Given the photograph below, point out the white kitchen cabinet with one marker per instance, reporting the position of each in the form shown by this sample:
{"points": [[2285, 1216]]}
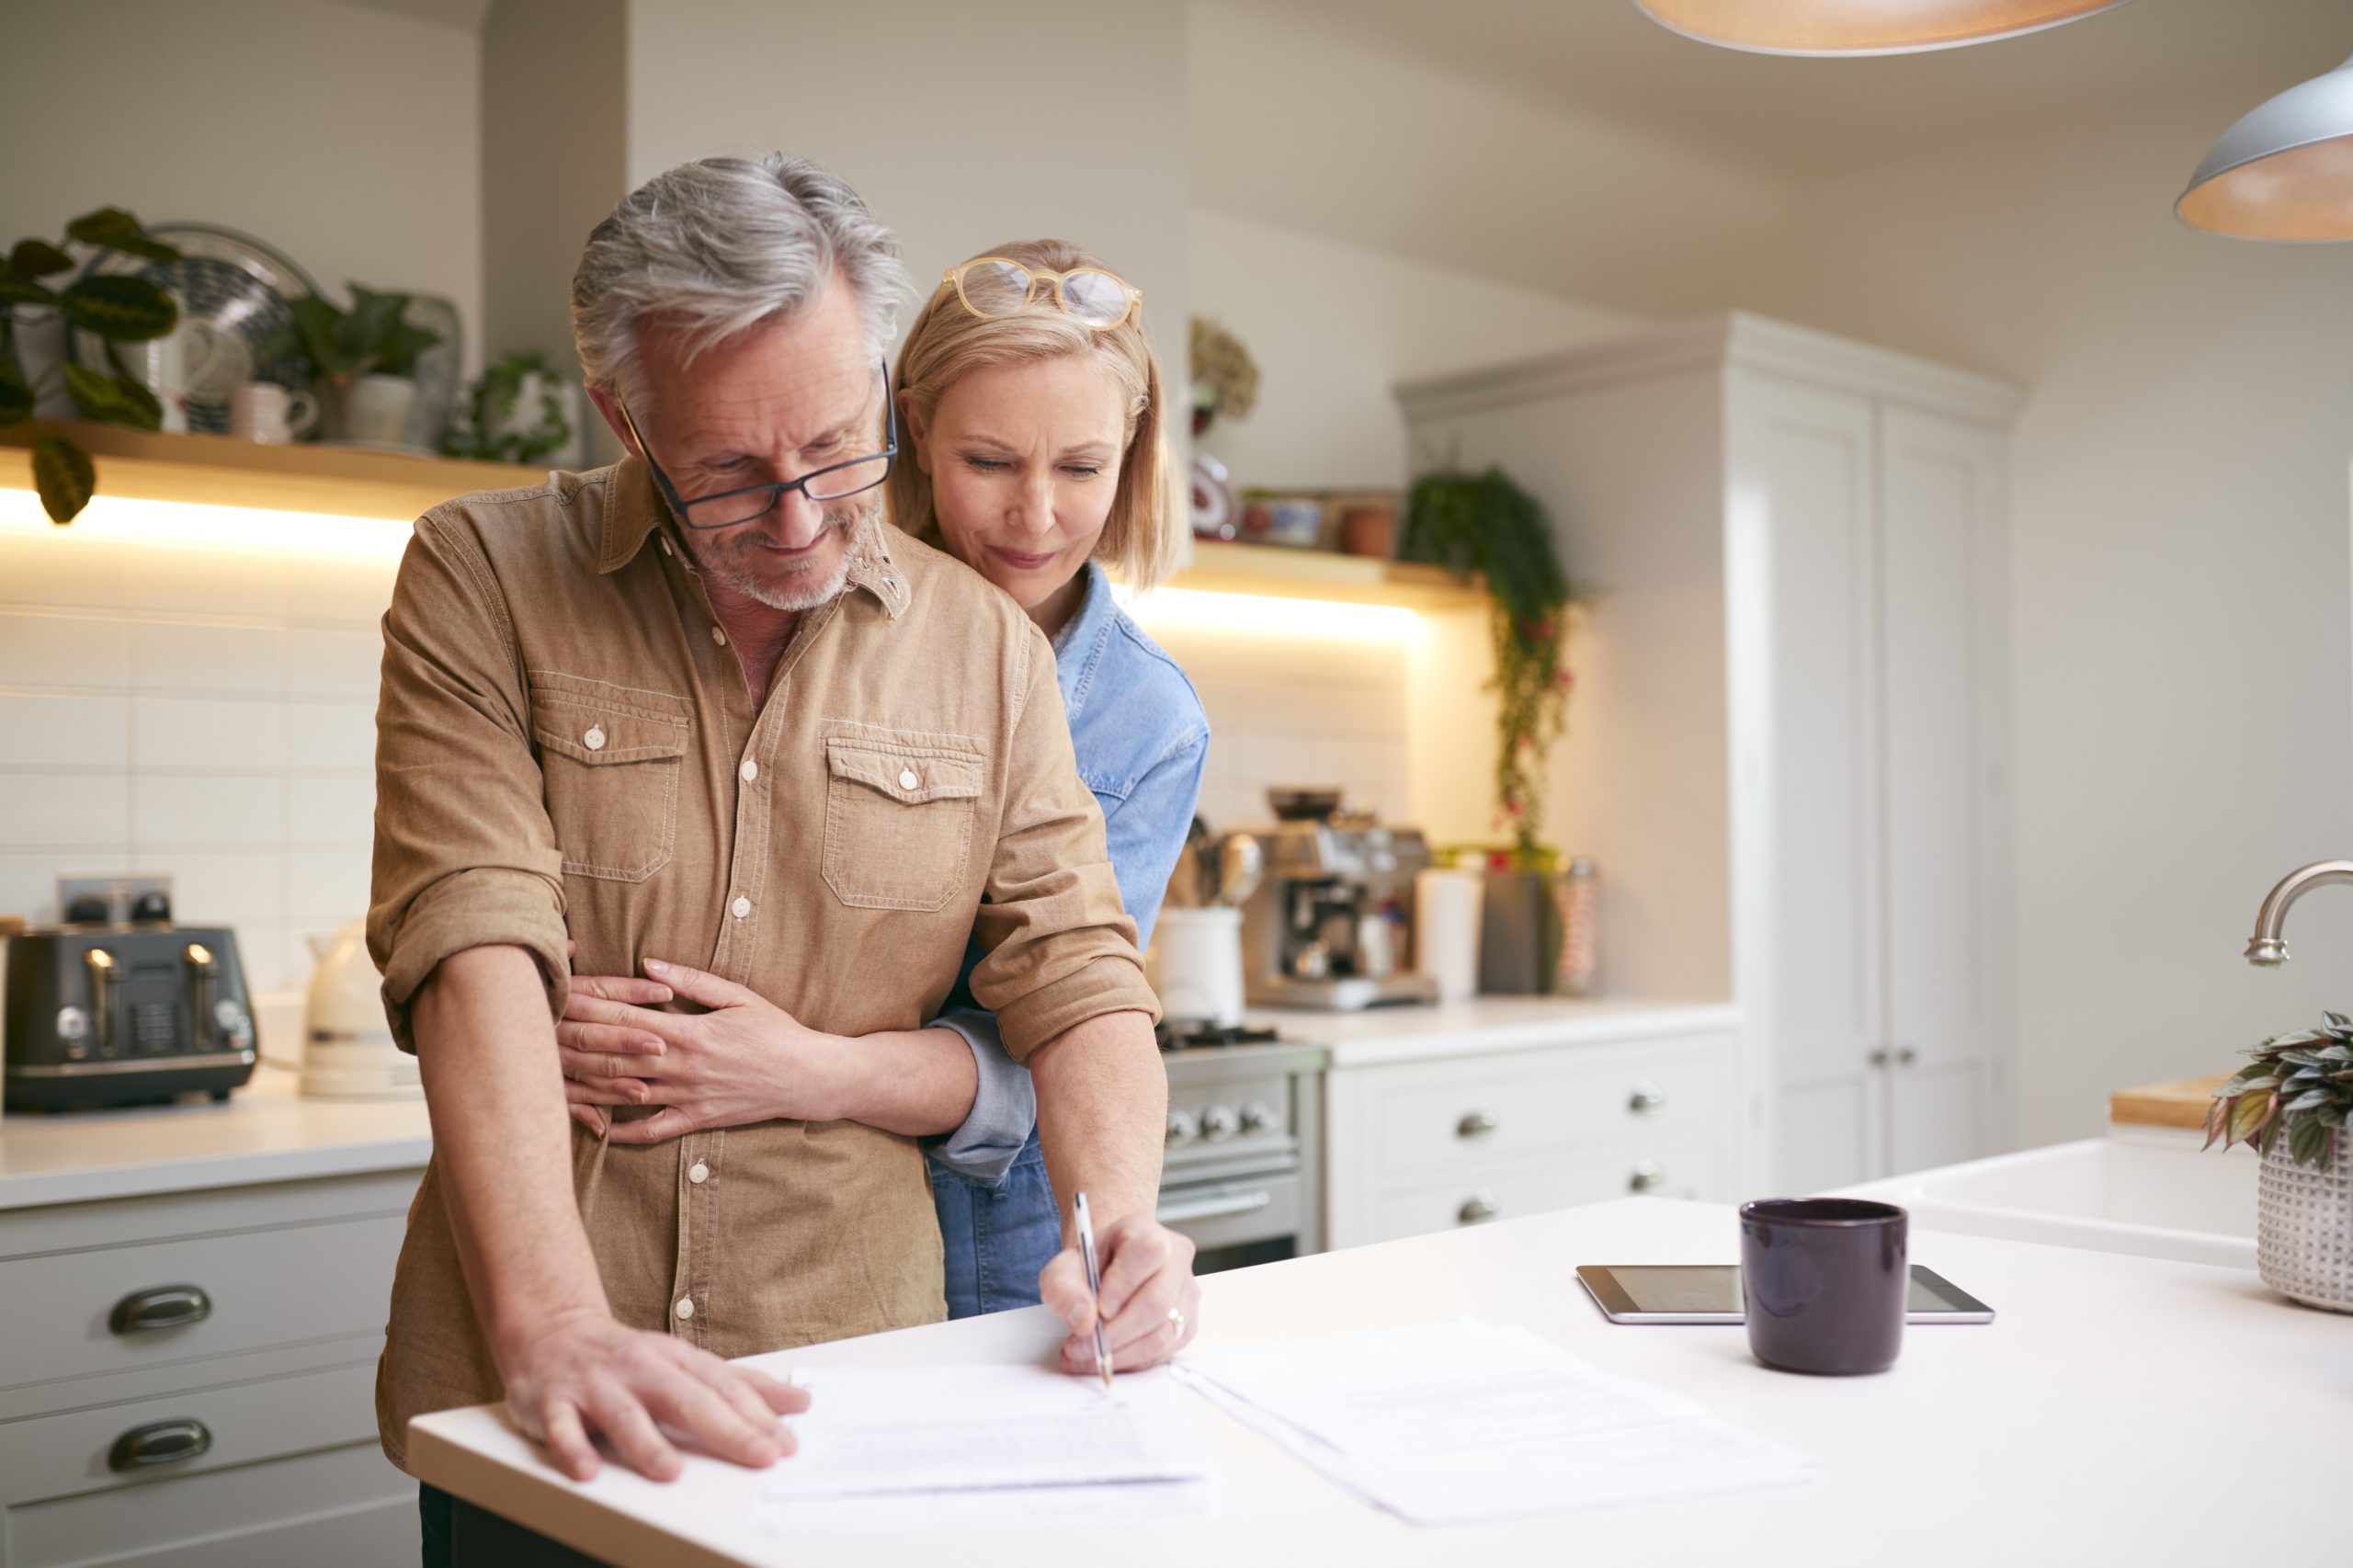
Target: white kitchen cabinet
{"points": [[1466, 1125], [267, 1397], [1788, 748]]}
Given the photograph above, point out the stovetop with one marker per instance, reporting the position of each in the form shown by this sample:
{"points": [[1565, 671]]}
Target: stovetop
{"points": [[1196, 1036]]}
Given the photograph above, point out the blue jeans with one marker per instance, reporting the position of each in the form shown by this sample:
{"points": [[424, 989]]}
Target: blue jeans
{"points": [[997, 1239]]}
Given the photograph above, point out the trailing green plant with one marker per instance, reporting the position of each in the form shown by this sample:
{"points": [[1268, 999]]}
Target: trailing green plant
{"points": [[369, 340], [114, 307], [493, 404], [2299, 1083], [1485, 523]]}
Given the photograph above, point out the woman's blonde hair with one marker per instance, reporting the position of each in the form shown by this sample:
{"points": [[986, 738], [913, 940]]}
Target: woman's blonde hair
{"points": [[1144, 537]]}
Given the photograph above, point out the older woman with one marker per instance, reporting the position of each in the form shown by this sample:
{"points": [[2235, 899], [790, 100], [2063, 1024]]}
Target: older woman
{"points": [[1032, 403]]}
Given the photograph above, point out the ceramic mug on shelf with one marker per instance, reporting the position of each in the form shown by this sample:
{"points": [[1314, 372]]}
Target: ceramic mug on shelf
{"points": [[268, 412]]}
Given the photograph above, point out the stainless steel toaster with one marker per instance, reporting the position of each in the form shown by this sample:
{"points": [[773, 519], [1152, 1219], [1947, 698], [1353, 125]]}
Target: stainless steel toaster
{"points": [[109, 1014]]}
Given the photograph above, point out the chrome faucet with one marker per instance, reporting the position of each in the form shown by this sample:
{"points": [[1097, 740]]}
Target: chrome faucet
{"points": [[2267, 949]]}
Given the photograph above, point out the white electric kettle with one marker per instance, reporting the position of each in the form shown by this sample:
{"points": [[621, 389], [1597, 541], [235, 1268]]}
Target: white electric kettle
{"points": [[347, 1050]]}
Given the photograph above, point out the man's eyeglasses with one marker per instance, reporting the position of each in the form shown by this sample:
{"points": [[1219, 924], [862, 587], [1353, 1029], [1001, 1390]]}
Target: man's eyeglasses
{"points": [[832, 483]]}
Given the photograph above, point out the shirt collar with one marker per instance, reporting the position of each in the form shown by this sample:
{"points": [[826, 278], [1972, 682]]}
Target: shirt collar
{"points": [[634, 511], [1080, 643]]}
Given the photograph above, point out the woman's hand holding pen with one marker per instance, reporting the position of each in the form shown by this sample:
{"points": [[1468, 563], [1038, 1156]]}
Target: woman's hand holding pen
{"points": [[1150, 1302]]}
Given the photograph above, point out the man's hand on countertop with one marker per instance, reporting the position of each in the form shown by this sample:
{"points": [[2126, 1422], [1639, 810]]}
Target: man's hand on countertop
{"points": [[581, 1374]]}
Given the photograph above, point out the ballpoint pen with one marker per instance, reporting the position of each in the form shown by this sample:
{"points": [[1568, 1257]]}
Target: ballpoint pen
{"points": [[1095, 1285]]}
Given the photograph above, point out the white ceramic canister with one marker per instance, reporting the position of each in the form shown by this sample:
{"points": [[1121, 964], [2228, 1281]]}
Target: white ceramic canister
{"points": [[1195, 965]]}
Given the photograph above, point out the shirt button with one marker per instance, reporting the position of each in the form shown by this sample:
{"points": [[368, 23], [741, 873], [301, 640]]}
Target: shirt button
{"points": [[595, 739], [741, 907], [719, 635], [750, 770], [907, 780], [685, 1308], [699, 1174]]}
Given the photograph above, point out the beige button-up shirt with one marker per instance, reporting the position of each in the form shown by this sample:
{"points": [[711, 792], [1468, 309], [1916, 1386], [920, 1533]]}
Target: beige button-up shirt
{"points": [[566, 746]]}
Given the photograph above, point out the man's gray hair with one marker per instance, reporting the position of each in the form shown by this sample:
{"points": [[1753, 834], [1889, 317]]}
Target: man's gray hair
{"points": [[719, 246]]}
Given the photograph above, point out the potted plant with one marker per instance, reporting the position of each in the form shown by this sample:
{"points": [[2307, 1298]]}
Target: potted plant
{"points": [[520, 411], [1483, 522], [34, 315], [1224, 377], [2291, 1102], [364, 358]]}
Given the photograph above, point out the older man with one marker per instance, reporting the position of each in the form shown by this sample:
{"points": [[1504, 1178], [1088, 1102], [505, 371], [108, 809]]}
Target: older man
{"points": [[703, 710]]}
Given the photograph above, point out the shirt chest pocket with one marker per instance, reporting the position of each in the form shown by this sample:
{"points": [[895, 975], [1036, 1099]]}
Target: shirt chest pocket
{"points": [[609, 758], [899, 810]]}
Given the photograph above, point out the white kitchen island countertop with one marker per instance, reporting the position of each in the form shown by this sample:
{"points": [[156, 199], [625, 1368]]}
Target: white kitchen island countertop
{"points": [[2102, 1418], [1375, 1036], [266, 1131]]}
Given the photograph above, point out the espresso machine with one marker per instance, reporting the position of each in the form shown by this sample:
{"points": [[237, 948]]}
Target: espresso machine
{"points": [[1332, 923]]}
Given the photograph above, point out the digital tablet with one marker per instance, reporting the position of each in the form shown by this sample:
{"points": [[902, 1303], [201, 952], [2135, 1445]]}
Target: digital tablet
{"points": [[1709, 1292]]}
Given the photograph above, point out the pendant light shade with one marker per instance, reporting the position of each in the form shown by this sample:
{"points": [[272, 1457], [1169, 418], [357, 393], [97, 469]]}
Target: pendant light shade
{"points": [[1861, 27], [2285, 172]]}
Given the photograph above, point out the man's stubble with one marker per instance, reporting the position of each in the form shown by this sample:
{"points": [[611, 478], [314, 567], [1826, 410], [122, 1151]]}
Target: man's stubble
{"points": [[733, 560]]}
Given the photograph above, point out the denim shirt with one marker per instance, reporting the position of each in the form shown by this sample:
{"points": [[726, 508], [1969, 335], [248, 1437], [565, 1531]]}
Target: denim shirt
{"points": [[1141, 740]]}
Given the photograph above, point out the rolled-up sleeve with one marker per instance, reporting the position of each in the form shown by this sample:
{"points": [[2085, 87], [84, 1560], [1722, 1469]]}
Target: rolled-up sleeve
{"points": [[1061, 948], [465, 855], [1004, 1104]]}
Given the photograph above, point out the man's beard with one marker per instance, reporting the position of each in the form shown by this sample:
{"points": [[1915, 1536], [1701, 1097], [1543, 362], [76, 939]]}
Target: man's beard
{"points": [[734, 561]]}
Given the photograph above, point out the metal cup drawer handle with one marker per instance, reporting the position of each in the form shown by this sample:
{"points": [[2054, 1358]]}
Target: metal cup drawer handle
{"points": [[1477, 1207], [160, 1442], [1646, 1099], [1477, 1124], [1646, 1177], [160, 1306]]}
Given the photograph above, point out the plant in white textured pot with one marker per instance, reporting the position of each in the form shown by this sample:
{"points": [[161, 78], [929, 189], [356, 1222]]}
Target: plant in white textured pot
{"points": [[364, 358], [2291, 1102]]}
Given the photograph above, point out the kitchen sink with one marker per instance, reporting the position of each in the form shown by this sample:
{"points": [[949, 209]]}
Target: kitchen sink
{"points": [[2148, 1191]]}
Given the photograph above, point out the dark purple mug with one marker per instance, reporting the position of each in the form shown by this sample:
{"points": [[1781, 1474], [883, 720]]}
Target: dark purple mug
{"points": [[1823, 1283]]}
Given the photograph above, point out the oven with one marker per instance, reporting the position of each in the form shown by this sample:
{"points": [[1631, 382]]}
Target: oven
{"points": [[1241, 1173]]}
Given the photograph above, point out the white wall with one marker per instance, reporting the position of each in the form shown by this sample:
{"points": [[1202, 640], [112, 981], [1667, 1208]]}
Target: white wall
{"points": [[1334, 326], [1315, 129], [346, 137], [963, 127], [2183, 648]]}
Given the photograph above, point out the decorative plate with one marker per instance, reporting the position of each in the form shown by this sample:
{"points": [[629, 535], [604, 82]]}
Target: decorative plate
{"points": [[1212, 494], [233, 292]]}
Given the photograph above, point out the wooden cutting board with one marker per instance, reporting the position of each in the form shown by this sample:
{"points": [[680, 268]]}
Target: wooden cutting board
{"points": [[2181, 1102]]}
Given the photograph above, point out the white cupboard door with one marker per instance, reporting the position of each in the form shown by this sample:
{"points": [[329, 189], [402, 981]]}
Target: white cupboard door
{"points": [[1802, 575], [1940, 511]]}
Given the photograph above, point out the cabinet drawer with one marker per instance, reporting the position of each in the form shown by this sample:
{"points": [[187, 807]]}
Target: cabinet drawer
{"points": [[266, 1288], [1460, 1117], [345, 1506], [1682, 1169], [61, 1455]]}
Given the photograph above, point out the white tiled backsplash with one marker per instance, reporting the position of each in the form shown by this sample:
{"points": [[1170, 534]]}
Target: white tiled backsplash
{"points": [[1287, 710], [210, 712]]}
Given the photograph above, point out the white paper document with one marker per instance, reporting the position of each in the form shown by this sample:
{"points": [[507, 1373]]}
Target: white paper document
{"points": [[950, 1446], [1449, 1422]]}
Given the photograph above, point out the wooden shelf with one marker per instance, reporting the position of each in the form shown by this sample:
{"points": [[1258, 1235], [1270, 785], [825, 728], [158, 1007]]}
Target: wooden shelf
{"points": [[348, 482], [221, 470], [1275, 570]]}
